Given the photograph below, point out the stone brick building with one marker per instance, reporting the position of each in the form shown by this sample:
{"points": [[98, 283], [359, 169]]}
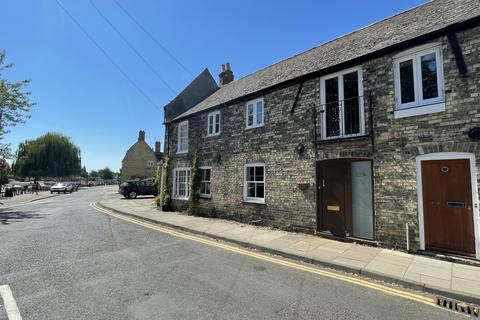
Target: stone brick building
{"points": [[370, 137], [140, 161]]}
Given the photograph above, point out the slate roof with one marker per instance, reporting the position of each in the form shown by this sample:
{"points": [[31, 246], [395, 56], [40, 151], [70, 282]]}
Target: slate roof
{"points": [[199, 89], [408, 25]]}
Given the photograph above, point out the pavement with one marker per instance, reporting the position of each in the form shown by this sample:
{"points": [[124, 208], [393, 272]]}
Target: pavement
{"points": [[446, 278], [26, 197], [62, 259]]}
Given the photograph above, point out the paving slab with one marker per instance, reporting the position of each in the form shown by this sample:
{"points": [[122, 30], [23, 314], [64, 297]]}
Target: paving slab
{"points": [[385, 268], [466, 286], [431, 271], [357, 264], [435, 283]]}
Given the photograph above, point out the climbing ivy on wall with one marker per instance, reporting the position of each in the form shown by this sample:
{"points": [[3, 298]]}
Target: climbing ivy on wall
{"points": [[194, 198], [163, 198]]}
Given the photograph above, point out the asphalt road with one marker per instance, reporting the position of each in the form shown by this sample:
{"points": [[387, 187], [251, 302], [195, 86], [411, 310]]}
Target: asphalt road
{"points": [[64, 260]]}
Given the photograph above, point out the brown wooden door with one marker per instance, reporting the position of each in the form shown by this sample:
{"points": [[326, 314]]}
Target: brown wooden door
{"points": [[334, 197], [447, 206]]}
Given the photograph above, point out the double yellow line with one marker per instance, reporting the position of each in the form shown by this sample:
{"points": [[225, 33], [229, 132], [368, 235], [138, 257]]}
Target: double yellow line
{"points": [[297, 266]]}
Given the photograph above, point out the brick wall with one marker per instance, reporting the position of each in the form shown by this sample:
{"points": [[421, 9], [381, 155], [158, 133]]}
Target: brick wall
{"points": [[397, 142]]}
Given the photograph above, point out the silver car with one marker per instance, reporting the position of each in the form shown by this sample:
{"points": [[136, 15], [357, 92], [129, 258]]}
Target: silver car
{"points": [[61, 187]]}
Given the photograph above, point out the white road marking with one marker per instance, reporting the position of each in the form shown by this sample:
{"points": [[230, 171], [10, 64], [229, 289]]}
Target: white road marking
{"points": [[9, 302]]}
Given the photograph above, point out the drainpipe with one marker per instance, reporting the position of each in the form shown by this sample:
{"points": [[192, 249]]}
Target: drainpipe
{"points": [[407, 231]]}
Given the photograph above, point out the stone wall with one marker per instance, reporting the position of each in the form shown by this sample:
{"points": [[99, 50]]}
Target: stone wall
{"points": [[134, 164], [394, 147]]}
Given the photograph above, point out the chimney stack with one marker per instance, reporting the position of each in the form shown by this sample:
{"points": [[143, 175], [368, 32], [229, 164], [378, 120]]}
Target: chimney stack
{"points": [[141, 135], [226, 76], [157, 146]]}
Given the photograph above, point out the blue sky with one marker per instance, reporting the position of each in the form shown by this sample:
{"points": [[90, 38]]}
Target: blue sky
{"points": [[81, 94]]}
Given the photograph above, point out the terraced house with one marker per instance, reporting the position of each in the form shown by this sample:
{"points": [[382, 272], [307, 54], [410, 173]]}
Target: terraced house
{"points": [[369, 137]]}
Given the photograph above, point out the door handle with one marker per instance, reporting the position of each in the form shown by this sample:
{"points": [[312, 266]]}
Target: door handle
{"points": [[323, 183]]}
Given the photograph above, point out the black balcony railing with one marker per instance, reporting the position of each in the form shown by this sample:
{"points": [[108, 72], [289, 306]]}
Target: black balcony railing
{"points": [[340, 119]]}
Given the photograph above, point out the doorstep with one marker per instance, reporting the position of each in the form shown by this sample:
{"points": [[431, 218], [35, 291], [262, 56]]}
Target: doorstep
{"points": [[419, 272]]}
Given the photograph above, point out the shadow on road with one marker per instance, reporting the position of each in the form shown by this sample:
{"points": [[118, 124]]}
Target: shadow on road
{"points": [[8, 216], [139, 198]]}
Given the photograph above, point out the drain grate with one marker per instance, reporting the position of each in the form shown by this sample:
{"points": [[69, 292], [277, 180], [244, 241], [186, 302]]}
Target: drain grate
{"points": [[458, 306]]}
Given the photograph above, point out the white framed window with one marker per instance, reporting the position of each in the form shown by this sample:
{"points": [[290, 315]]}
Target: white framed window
{"points": [[342, 104], [254, 183], [419, 81], [182, 137], [150, 163], [254, 113], [181, 183], [213, 123], [205, 182]]}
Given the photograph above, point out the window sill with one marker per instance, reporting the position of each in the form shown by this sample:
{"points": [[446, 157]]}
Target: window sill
{"points": [[261, 202], [182, 152], [345, 139], [206, 196], [177, 198], [419, 110], [256, 126], [213, 135]]}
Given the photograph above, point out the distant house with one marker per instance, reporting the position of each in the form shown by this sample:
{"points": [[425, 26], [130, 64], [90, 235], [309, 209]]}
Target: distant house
{"points": [[140, 161], [373, 136]]}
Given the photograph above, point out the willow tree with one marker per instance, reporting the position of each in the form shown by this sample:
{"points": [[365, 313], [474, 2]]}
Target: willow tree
{"points": [[51, 155]]}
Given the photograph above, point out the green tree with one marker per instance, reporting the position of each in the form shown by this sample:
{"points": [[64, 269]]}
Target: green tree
{"points": [[51, 155], [15, 105], [105, 173], [4, 171], [93, 174], [84, 173]]}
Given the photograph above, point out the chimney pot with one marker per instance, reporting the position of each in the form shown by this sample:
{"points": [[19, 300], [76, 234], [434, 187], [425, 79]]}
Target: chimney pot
{"points": [[141, 135], [157, 146], [226, 76]]}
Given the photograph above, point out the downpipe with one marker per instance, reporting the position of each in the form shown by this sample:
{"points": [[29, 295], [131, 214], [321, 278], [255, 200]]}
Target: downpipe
{"points": [[407, 236]]}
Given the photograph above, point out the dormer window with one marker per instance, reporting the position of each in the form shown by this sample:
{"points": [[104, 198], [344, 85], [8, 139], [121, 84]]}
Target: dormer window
{"points": [[254, 113], [213, 123], [419, 81]]}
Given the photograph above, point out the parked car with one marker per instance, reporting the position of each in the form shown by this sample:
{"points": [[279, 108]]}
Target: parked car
{"points": [[61, 187], [74, 186], [132, 189]]}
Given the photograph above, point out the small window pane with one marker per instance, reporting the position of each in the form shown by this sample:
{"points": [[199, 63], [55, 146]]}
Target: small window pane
{"points": [[250, 115], [250, 173], [251, 190], [429, 76], [351, 104], [259, 112], [407, 89], [210, 124], [207, 187], [260, 187], [217, 123], [332, 111], [258, 173], [207, 174]]}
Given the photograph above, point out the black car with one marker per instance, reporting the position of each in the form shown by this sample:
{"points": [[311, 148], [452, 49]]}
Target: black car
{"points": [[132, 189]]}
